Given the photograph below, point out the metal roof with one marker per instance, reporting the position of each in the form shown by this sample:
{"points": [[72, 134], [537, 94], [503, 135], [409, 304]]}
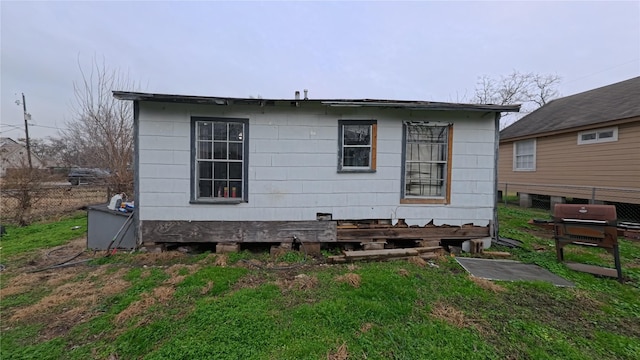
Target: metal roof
{"points": [[608, 103], [401, 104]]}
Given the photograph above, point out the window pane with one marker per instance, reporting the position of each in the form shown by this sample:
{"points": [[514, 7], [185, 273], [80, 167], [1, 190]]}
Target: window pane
{"points": [[235, 189], [235, 170], [205, 170], [204, 150], [204, 131], [235, 132], [220, 170], [219, 186], [235, 151], [205, 187], [356, 156], [357, 134], [426, 154], [605, 134], [220, 131], [220, 150], [589, 136]]}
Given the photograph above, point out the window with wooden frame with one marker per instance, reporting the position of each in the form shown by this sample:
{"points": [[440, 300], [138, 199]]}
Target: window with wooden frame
{"points": [[524, 155], [426, 165], [219, 160], [357, 145]]}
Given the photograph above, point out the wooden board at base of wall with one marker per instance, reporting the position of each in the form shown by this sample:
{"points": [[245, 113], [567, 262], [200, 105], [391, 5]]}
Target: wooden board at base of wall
{"points": [[158, 231]]}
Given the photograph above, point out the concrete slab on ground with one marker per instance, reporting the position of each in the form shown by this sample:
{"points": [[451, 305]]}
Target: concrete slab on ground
{"points": [[509, 270]]}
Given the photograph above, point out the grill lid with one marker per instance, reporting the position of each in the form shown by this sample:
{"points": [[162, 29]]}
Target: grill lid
{"points": [[595, 213]]}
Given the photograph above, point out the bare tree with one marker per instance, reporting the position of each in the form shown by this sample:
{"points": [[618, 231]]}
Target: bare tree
{"points": [[22, 189], [529, 89], [101, 132]]}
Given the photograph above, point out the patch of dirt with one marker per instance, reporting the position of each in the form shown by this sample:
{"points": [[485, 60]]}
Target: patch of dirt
{"points": [[157, 258], [249, 281], [299, 282], [416, 260], [175, 270], [221, 260], [487, 284], [349, 278], [364, 328], [403, 272], [340, 353], [206, 288]]}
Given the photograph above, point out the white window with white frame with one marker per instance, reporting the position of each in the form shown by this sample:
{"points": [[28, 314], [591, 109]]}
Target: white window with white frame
{"points": [[598, 136], [524, 155]]}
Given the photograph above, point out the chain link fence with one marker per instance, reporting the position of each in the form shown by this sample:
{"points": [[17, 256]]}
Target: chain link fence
{"points": [[544, 196], [49, 201]]}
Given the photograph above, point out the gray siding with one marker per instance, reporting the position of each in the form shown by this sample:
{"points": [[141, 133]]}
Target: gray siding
{"points": [[293, 166]]}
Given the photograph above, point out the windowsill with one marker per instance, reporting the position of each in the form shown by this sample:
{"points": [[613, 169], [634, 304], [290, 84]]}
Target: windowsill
{"points": [[529, 170], [369, 171], [439, 201], [217, 202]]}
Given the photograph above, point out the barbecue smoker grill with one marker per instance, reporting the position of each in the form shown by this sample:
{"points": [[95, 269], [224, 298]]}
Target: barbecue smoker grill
{"points": [[587, 225]]}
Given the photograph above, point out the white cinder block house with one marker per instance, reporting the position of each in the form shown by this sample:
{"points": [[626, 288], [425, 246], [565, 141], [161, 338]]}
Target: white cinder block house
{"points": [[213, 169]]}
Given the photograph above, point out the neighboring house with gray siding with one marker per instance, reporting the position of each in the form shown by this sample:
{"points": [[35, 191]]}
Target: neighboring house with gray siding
{"points": [[13, 155], [270, 166], [584, 146]]}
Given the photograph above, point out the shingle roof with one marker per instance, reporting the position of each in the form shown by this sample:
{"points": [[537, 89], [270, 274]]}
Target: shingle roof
{"points": [[612, 102]]}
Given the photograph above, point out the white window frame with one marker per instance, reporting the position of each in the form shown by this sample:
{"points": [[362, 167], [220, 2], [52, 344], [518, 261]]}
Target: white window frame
{"points": [[597, 136], [220, 193], [516, 155]]}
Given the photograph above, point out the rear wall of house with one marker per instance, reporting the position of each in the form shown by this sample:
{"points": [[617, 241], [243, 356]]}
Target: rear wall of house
{"points": [[293, 166], [561, 161]]}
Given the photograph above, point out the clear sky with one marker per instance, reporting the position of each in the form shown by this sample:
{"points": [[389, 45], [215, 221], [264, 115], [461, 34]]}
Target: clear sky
{"points": [[419, 50]]}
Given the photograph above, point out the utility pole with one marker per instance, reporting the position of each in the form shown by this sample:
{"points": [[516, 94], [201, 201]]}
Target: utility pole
{"points": [[26, 130]]}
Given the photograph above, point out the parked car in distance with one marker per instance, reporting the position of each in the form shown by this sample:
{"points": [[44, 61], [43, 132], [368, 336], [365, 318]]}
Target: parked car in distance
{"points": [[79, 176]]}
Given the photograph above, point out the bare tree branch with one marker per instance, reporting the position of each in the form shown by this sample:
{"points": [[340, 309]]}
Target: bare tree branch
{"points": [[101, 132], [529, 89]]}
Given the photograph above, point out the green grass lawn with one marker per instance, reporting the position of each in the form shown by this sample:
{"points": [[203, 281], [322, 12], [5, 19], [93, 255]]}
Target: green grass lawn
{"points": [[208, 306]]}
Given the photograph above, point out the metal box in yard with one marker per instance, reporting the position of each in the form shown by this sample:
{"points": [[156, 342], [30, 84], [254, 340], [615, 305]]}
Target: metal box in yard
{"points": [[103, 225]]}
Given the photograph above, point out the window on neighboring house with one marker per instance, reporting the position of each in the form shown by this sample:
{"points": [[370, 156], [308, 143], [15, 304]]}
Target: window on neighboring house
{"points": [[598, 136], [427, 163], [524, 155], [219, 153], [357, 145]]}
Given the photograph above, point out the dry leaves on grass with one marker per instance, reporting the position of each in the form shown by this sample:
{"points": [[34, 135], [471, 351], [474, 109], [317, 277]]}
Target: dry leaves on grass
{"points": [[349, 278], [364, 328], [82, 294], [487, 284], [299, 282], [340, 353], [221, 260], [416, 260], [160, 294], [403, 272], [449, 314], [205, 289]]}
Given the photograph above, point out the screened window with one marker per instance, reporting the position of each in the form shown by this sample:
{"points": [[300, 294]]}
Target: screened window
{"points": [[357, 145], [427, 165], [524, 155], [220, 160]]}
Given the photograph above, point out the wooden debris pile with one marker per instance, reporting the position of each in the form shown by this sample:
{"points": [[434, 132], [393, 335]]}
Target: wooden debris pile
{"points": [[380, 239]]}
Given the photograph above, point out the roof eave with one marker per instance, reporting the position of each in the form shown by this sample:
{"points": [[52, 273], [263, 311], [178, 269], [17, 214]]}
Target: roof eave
{"points": [[409, 105]]}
